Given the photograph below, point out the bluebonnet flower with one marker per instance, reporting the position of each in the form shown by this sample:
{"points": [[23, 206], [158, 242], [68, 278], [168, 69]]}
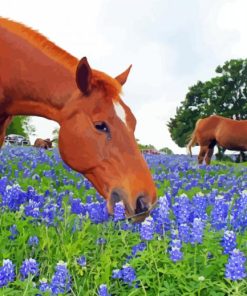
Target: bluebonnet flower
{"points": [[99, 198], [176, 243], [175, 251], [147, 229], [184, 232], [235, 268], [219, 213], [36, 177], [7, 273], [182, 209], [77, 207], [13, 197], [89, 199], [100, 241], [199, 203], [49, 214], [103, 291], [119, 211], [82, 261], [239, 212], [117, 274], [138, 248], [161, 215], [14, 232], [87, 184], [197, 231], [33, 241], [128, 274], [3, 184], [79, 184], [126, 226], [61, 282], [32, 209], [97, 212], [29, 267], [174, 233], [229, 241], [44, 286]]}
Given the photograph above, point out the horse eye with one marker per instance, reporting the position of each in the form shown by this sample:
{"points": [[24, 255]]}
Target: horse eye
{"points": [[102, 127]]}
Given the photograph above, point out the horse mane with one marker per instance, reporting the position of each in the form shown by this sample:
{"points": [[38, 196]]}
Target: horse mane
{"points": [[100, 79]]}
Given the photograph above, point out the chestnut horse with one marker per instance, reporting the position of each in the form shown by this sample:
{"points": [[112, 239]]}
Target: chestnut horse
{"points": [[45, 144], [227, 133], [96, 134]]}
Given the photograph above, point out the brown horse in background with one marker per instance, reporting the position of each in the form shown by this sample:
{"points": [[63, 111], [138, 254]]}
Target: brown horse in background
{"points": [[96, 134], [227, 133], [45, 144]]}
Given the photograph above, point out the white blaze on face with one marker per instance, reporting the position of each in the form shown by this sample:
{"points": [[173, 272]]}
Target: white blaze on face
{"points": [[120, 112]]}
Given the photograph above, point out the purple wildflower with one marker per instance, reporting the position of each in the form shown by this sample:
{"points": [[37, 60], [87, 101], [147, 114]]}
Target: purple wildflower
{"points": [[229, 241], [82, 261], [147, 229], [101, 241], [14, 232], [7, 273], [97, 212], [219, 213], [117, 274], [44, 286], [175, 250], [103, 291], [49, 214], [33, 241], [61, 282], [128, 274], [119, 212], [29, 267], [77, 207], [197, 231], [182, 209], [235, 268], [32, 209], [138, 248], [184, 232]]}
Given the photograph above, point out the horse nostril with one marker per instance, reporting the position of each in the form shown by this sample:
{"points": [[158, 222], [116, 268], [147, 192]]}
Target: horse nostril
{"points": [[115, 197], [141, 205]]}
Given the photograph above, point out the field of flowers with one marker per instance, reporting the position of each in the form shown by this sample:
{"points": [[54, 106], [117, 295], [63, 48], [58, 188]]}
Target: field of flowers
{"points": [[56, 237]]}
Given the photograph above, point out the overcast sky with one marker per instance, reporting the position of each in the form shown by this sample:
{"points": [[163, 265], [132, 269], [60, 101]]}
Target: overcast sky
{"points": [[171, 43]]}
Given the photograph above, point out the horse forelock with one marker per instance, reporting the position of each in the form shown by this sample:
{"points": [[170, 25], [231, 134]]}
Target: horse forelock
{"points": [[111, 87]]}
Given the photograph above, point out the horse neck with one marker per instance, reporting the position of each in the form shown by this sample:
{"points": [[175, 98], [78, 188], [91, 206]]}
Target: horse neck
{"points": [[32, 83]]}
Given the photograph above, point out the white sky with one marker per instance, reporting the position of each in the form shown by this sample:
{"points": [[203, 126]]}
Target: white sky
{"points": [[171, 44]]}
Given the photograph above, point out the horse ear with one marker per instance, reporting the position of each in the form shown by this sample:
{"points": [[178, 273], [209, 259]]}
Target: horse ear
{"points": [[83, 76], [123, 77]]}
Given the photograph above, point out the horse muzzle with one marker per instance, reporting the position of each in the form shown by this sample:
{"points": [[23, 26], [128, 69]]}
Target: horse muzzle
{"points": [[136, 209]]}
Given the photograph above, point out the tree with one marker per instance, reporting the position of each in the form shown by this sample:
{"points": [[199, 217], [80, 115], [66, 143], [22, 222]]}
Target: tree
{"points": [[144, 146], [225, 94], [166, 150], [55, 133], [20, 125]]}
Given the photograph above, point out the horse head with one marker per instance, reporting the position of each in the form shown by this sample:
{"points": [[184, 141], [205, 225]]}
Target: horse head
{"points": [[96, 138]]}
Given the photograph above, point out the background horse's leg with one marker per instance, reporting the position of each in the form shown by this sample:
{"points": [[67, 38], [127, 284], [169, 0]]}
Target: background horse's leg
{"points": [[209, 155], [4, 122], [202, 153], [210, 152]]}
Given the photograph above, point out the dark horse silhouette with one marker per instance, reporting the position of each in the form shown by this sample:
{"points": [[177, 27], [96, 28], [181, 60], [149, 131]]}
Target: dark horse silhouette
{"points": [[227, 133], [96, 134]]}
